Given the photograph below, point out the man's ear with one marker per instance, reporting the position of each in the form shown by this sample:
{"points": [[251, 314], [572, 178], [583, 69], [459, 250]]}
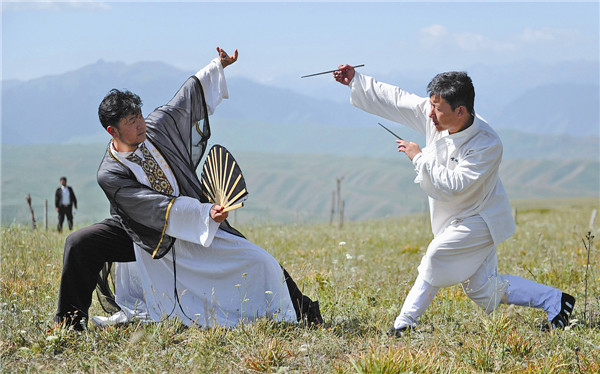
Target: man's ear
{"points": [[461, 110], [112, 130]]}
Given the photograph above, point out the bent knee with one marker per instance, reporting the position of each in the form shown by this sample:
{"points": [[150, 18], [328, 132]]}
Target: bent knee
{"points": [[488, 295], [75, 241]]}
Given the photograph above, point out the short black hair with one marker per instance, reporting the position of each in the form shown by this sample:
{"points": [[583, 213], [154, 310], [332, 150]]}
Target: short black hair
{"points": [[117, 105], [63, 178], [455, 87]]}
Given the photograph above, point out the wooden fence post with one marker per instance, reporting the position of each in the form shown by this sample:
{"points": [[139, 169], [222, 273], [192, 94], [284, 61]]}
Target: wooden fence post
{"points": [[340, 202], [332, 207], [46, 214], [28, 199], [342, 213]]}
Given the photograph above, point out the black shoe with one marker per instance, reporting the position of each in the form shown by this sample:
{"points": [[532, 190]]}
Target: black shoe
{"points": [[310, 313], [313, 315], [74, 323], [567, 303], [397, 333]]}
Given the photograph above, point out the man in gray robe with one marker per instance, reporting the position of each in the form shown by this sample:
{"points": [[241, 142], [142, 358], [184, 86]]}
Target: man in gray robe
{"points": [[178, 132]]}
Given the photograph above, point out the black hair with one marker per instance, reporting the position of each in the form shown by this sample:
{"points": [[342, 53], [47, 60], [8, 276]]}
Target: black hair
{"points": [[117, 105], [65, 178], [455, 87]]}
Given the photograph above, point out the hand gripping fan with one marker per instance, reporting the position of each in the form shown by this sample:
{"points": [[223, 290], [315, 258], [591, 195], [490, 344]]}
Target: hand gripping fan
{"points": [[222, 180]]}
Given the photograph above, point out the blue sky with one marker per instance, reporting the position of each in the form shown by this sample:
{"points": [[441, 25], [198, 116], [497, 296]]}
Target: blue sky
{"points": [[275, 39]]}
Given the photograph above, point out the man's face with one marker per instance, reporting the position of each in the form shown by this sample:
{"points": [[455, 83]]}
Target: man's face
{"points": [[443, 116], [63, 182], [131, 131]]}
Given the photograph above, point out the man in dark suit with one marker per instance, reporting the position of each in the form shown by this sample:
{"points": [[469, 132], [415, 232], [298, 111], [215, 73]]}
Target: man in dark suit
{"points": [[65, 201]]}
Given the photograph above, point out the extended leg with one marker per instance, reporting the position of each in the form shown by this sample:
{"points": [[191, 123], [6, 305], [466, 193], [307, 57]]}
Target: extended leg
{"points": [[86, 250], [61, 218], [415, 304], [69, 213], [525, 292]]}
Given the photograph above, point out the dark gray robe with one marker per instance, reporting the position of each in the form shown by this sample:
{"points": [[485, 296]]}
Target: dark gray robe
{"points": [[180, 131]]}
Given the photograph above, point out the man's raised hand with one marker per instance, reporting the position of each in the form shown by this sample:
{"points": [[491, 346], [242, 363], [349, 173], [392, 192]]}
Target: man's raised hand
{"points": [[227, 60]]}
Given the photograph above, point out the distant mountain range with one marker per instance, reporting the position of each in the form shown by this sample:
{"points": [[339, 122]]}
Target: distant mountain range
{"points": [[294, 137], [538, 101]]}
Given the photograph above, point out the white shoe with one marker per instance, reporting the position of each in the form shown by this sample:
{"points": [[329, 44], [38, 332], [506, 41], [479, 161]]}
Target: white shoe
{"points": [[118, 317]]}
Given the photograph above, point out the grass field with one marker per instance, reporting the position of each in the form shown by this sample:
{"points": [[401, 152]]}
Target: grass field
{"points": [[360, 274]]}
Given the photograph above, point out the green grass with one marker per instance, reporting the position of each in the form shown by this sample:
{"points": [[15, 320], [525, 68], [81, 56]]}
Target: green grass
{"points": [[360, 285]]}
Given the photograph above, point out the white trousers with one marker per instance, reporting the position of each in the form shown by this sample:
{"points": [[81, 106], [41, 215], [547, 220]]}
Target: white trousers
{"points": [[454, 257]]}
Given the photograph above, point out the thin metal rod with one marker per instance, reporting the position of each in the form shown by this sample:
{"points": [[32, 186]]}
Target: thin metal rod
{"points": [[330, 71], [390, 131]]}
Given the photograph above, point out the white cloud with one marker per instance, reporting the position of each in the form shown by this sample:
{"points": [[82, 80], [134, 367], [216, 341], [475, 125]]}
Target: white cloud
{"points": [[438, 36], [547, 34], [478, 42], [533, 36], [433, 31]]}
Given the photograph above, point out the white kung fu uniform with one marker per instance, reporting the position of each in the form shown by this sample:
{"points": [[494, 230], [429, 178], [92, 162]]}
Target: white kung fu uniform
{"points": [[470, 211], [222, 279]]}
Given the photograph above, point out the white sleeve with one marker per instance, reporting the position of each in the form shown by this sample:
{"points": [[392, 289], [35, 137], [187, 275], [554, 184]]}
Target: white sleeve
{"points": [[472, 172], [389, 102], [214, 85], [189, 220]]}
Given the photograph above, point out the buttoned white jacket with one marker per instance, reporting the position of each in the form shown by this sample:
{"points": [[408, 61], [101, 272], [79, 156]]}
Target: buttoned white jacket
{"points": [[459, 172]]}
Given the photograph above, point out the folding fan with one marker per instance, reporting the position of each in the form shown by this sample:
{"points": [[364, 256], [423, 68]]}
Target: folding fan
{"points": [[222, 180]]}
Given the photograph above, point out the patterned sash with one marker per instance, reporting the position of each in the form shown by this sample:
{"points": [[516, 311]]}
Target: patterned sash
{"points": [[157, 178]]}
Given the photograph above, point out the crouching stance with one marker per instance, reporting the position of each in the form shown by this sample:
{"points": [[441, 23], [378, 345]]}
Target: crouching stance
{"points": [[470, 211], [176, 254]]}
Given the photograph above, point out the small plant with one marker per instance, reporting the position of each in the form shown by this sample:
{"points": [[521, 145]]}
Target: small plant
{"points": [[270, 356], [587, 243], [387, 362]]}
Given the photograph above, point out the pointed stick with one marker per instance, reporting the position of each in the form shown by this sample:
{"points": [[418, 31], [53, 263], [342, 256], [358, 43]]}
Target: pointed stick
{"points": [[330, 71], [390, 131]]}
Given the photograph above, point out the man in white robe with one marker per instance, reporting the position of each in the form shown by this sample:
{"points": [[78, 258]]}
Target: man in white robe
{"points": [[470, 211], [189, 263]]}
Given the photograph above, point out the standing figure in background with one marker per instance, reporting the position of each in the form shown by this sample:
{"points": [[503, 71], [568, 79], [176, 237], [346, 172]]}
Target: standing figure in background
{"points": [[65, 201]]}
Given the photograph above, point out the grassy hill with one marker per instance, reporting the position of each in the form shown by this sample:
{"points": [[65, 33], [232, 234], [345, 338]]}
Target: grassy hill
{"points": [[283, 187], [360, 274]]}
